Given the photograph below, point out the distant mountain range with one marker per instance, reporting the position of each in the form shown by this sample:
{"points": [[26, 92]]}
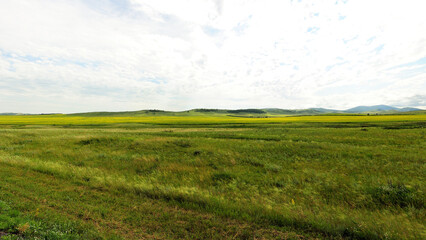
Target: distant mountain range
{"points": [[359, 109], [382, 109], [379, 108], [10, 114]]}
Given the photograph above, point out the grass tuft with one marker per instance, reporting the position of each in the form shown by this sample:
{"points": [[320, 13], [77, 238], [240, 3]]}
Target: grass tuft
{"points": [[396, 195]]}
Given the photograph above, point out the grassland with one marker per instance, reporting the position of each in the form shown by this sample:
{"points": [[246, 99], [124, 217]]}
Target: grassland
{"points": [[212, 177], [61, 119]]}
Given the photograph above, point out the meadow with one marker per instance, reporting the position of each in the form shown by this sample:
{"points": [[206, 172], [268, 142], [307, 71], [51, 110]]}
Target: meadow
{"points": [[212, 177]]}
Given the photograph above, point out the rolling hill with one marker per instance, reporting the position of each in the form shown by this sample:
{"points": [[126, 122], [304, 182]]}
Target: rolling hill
{"points": [[263, 112], [379, 108]]}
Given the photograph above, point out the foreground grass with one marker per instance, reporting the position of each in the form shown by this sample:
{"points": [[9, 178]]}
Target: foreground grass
{"points": [[100, 214], [343, 179], [13, 225]]}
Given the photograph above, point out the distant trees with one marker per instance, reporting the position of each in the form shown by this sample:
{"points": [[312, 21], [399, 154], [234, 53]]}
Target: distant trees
{"points": [[206, 110], [154, 110], [258, 111]]}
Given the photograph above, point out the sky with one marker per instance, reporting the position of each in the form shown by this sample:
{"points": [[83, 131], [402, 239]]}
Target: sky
{"points": [[119, 55]]}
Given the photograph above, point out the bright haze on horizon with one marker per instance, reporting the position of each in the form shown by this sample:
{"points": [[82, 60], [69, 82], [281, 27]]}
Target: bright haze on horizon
{"points": [[112, 55]]}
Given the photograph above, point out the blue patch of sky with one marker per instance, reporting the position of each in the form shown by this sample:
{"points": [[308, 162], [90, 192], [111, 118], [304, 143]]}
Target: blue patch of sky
{"points": [[345, 41], [12, 68], [167, 17], [29, 58], [76, 62], [284, 64], [5, 54], [156, 80], [240, 28], [411, 72], [119, 7], [275, 44], [341, 18], [211, 31], [421, 61], [341, 1], [370, 40], [9, 56], [379, 48], [313, 29], [329, 67]]}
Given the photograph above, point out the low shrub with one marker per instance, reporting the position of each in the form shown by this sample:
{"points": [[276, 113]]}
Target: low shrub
{"points": [[182, 143], [222, 177], [395, 195], [273, 167]]}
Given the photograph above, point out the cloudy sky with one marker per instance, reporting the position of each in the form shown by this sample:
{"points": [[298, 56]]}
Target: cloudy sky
{"points": [[92, 55]]}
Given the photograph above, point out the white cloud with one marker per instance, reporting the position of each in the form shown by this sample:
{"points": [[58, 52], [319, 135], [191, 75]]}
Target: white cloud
{"points": [[68, 56]]}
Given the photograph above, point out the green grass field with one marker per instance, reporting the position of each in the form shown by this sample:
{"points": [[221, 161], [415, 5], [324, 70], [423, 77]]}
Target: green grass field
{"points": [[212, 177]]}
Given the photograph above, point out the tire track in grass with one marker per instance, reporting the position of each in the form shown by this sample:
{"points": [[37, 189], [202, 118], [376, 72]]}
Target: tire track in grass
{"points": [[189, 198], [17, 185]]}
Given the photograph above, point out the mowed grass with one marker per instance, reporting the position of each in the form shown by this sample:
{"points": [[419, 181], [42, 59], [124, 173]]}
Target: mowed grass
{"points": [[354, 177]]}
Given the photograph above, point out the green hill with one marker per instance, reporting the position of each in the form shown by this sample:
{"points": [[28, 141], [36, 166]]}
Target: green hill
{"points": [[264, 112]]}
